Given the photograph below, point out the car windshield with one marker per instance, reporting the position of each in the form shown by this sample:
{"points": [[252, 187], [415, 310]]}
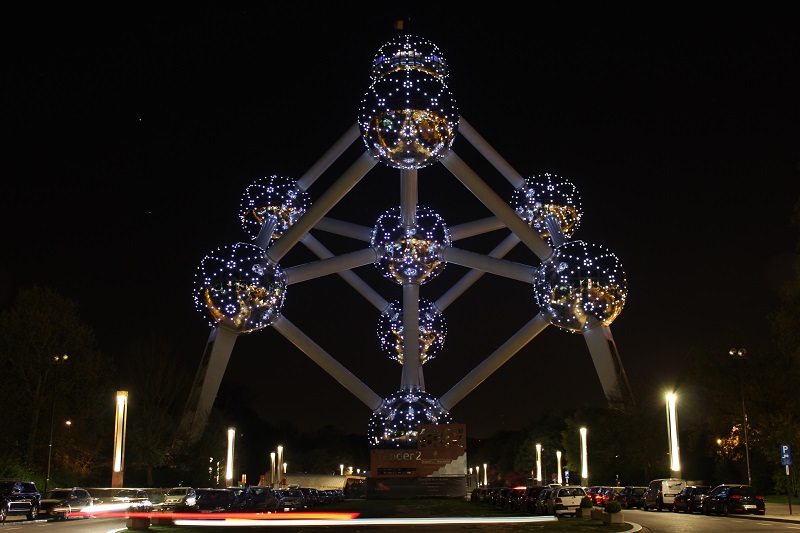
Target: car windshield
{"points": [[744, 491], [57, 495], [178, 492], [126, 494]]}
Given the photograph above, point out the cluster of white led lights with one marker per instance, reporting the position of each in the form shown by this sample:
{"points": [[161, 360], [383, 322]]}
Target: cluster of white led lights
{"points": [[408, 120]]}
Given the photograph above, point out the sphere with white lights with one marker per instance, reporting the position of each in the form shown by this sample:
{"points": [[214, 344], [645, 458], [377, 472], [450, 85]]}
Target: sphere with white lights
{"points": [[581, 285], [409, 52], [548, 196], [395, 423], [432, 331], [408, 118], [239, 288], [271, 196], [410, 254]]}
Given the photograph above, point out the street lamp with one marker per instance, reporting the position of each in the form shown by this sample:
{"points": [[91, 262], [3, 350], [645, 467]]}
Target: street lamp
{"points": [[584, 460], [229, 464], [672, 434], [741, 354], [539, 463], [558, 460], [120, 429], [485, 476], [56, 361]]}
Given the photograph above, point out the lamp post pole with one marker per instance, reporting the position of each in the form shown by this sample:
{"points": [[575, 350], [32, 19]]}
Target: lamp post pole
{"points": [[57, 360], [740, 354]]}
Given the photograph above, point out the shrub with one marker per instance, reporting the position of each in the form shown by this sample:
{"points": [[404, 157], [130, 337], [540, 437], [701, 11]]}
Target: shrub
{"points": [[613, 507], [586, 503]]}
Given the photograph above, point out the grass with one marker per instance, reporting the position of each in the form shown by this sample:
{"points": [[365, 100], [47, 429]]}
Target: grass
{"points": [[419, 508]]}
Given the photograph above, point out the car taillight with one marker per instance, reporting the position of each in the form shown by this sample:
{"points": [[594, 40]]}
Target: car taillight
{"points": [[736, 496], [759, 497]]}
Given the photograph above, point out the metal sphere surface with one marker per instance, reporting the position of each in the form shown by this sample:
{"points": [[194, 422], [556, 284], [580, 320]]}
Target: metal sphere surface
{"points": [[432, 331], [274, 196], [409, 52], [408, 119], [410, 254], [548, 195], [239, 288], [582, 284], [395, 423]]}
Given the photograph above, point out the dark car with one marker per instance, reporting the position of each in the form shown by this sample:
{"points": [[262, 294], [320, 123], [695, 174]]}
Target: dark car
{"points": [[59, 504], [690, 499], [528, 500], [19, 498], [291, 500], [264, 499], [631, 497], [216, 501], [244, 498], [138, 499], [540, 506], [727, 499]]}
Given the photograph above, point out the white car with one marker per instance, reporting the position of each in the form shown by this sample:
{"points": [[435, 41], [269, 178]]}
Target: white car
{"points": [[565, 500], [179, 497]]}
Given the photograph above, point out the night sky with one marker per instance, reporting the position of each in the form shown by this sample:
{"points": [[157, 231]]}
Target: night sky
{"points": [[132, 134]]}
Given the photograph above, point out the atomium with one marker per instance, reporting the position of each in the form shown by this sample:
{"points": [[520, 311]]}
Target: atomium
{"points": [[408, 121]]}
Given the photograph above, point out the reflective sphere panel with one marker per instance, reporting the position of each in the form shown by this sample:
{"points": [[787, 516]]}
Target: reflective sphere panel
{"points": [[409, 52], [271, 196], [410, 254], [581, 282], [432, 331], [239, 288], [395, 423], [545, 196]]}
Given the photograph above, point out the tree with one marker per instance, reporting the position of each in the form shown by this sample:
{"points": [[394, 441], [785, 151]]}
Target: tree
{"points": [[157, 387], [40, 325]]}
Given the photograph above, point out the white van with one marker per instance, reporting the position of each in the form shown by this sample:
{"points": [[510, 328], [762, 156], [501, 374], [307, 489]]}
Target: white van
{"points": [[661, 493]]}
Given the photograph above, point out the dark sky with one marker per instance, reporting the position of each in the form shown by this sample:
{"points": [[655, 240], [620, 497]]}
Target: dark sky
{"points": [[134, 132]]}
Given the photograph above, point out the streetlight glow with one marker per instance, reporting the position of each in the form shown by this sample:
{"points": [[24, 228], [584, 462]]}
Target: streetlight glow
{"points": [[539, 463], [558, 459], [229, 464], [672, 433], [584, 459], [485, 477], [120, 426]]}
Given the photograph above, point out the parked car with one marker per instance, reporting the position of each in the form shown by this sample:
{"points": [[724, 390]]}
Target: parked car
{"points": [[58, 504], [528, 500], [264, 499], [595, 493], [516, 499], [179, 498], [608, 494], [19, 498], [565, 500], [631, 497], [660, 493], [137, 498], [727, 499], [244, 498], [541, 507], [690, 499], [291, 500], [211, 500]]}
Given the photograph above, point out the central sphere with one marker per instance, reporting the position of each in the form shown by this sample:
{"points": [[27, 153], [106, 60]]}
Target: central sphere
{"points": [[395, 423], [410, 254]]}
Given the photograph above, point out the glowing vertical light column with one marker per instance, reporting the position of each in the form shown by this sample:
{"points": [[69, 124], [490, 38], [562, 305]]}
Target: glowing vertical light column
{"points": [[341, 470], [558, 460], [672, 432], [229, 464], [272, 469], [584, 460], [539, 463], [120, 427], [478, 475], [485, 477], [280, 462]]}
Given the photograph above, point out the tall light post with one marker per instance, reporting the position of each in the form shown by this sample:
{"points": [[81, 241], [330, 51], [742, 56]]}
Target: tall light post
{"points": [[539, 463], [120, 429], [57, 361], [584, 459], [478, 475], [558, 460], [741, 354], [485, 476], [672, 434], [229, 464]]}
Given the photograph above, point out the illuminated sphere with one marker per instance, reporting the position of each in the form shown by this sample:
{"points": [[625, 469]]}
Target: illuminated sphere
{"points": [[239, 288], [410, 255], [432, 331], [548, 195], [582, 285], [395, 423], [271, 196], [409, 52]]}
